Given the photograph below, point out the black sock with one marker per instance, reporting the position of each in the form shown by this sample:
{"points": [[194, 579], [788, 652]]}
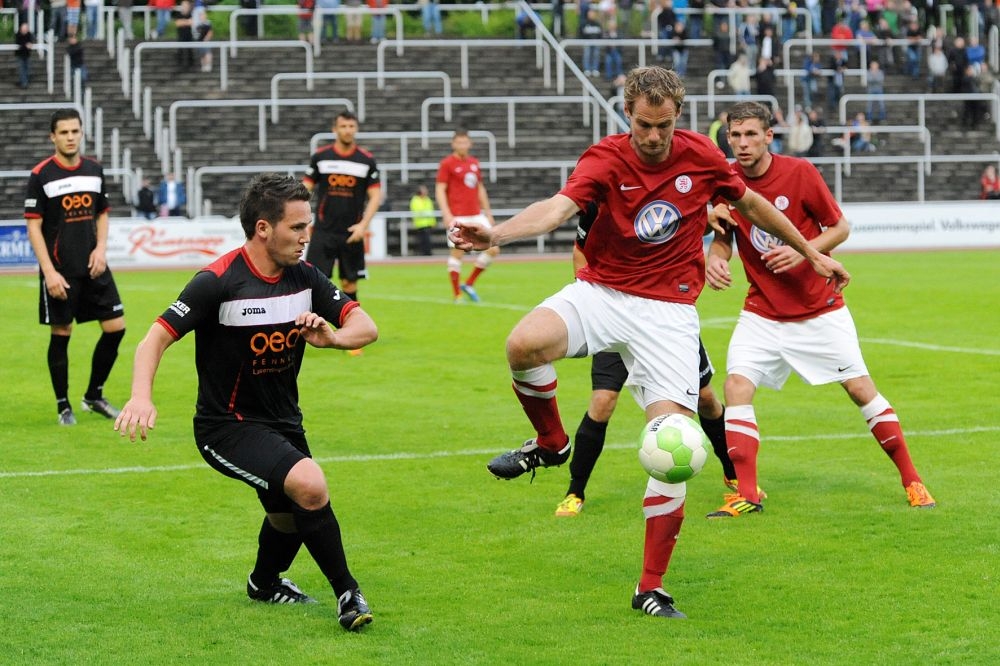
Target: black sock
{"points": [[105, 353], [716, 431], [353, 295], [59, 369], [320, 532], [275, 552], [587, 446]]}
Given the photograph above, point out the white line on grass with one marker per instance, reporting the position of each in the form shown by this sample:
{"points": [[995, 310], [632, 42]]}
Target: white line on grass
{"points": [[923, 345], [464, 452]]}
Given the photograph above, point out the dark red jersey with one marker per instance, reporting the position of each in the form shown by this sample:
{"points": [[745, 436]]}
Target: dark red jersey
{"points": [[797, 189], [462, 177], [647, 237]]}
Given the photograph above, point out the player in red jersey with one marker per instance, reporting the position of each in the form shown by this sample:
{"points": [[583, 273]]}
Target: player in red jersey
{"points": [[791, 319], [252, 312], [645, 268], [461, 195], [66, 210]]}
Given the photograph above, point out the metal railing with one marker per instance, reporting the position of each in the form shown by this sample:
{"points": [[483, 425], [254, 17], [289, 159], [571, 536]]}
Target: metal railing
{"points": [[542, 57], [223, 64], [262, 104], [922, 99], [360, 77], [591, 110]]}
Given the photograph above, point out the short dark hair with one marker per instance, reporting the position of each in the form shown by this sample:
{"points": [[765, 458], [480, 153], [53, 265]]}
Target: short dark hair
{"points": [[264, 198], [346, 115], [750, 110], [63, 114]]}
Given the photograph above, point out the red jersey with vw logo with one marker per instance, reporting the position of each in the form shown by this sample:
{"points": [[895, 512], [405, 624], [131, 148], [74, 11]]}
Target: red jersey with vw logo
{"points": [[647, 238], [797, 189], [247, 347]]}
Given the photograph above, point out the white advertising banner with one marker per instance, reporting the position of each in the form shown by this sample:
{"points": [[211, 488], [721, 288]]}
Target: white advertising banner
{"points": [[922, 226], [171, 242]]}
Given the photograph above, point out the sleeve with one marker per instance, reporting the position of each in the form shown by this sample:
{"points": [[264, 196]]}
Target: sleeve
{"points": [[584, 184], [822, 207], [442, 174], [728, 185], [103, 202], [373, 176], [34, 202], [198, 301], [312, 170], [329, 302]]}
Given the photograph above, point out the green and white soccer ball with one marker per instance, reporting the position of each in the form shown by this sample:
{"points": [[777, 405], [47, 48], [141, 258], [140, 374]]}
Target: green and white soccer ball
{"points": [[673, 448]]}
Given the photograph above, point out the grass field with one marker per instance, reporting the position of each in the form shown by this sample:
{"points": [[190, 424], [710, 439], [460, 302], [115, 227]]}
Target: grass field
{"points": [[118, 553]]}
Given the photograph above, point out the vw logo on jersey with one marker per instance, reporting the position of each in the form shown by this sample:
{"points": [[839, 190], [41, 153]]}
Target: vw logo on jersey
{"points": [[471, 180], [782, 202], [763, 241], [657, 222]]}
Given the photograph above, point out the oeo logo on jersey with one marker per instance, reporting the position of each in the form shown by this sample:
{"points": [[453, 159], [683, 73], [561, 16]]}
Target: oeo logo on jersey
{"points": [[657, 222], [763, 241]]}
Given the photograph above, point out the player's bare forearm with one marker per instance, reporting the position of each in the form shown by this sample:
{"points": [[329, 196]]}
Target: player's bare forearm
{"points": [[138, 415], [539, 218], [720, 251]]}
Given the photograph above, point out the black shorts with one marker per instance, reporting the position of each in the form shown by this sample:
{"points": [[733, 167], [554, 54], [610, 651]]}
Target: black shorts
{"points": [[329, 248], [608, 372], [87, 300], [257, 455]]}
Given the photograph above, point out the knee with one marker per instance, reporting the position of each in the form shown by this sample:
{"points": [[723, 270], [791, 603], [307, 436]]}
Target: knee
{"points": [[522, 352], [306, 485], [602, 405]]}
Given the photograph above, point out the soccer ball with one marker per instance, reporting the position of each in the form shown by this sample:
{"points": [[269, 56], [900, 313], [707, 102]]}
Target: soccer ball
{"points": [[673, 448]]}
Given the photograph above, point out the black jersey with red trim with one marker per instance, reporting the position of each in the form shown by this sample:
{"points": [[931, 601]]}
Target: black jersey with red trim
{"points": [[341, 183], [68, 200], [248, 350]]}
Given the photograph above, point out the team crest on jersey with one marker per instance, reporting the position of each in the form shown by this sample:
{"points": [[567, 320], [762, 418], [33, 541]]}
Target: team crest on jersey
{"points": [[763, 241], [683, 184], [782, 202], [657, 222]]}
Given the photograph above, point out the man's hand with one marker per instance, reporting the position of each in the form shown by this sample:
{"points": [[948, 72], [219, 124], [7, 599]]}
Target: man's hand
{"points": [[56, 285], [717, 273], [719, 218], [357, 233], [467, 236], [97, 263], [136, 415], [315, 330], [781, 258], [833, 270]]}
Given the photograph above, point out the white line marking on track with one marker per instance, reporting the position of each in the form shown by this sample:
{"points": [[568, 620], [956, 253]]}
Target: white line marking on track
{"points": [[379, 457]]}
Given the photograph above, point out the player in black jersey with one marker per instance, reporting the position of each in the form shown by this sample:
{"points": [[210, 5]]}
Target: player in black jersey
{"points": [[253, 310], [66, 210], [344, 177], [607, 376]]}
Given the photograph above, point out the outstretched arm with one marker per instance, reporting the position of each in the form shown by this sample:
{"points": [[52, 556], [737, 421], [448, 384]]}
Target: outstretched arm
{"points": [[139, 413], [538, 218]]}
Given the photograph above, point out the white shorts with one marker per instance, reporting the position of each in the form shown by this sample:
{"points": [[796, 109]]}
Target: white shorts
{"points": [[657, 340], [479, 219], [821, 350]]}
